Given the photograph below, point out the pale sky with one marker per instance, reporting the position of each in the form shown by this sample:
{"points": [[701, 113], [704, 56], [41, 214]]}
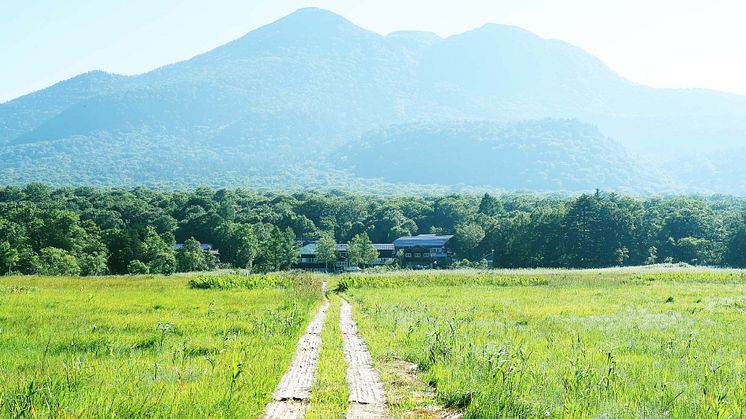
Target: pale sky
{"points": [[662, 43]]}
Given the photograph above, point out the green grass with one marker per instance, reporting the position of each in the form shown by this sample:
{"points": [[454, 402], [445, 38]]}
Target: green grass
{"points": [[534, 343], [329, 397], [254, 281], [615, 343], [144, 346], [438, 278]]}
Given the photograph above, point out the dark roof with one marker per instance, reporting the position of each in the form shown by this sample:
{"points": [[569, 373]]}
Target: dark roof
{"points": [[424, 240], [310, 249]]}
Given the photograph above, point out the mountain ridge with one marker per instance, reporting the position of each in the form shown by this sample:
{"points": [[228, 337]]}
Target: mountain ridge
{"points": [[298, 89]]}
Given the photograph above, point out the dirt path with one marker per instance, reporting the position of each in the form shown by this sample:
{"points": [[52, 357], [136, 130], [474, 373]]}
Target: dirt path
{"points": [[367, 398], [293, 393]]}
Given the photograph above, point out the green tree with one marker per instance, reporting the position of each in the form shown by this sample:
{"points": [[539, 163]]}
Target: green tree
{"points": [[238, 244], [54, 261], [652, 256], [8, 258], [326, 250], [278, 251], [246, 245], [736, 254], [392, 224], [157, 254], [360, 250], [93, 264], [468, 237], [288, 252], [191, 257], [489, 205], [695, 251], [400, 257], [136, 267]]}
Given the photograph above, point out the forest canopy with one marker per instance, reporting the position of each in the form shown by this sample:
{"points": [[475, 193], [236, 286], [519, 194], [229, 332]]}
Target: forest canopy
{"points": [[89, 231]]}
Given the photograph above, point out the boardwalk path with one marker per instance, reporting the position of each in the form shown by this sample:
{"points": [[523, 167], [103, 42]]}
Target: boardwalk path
{"points": [[292, 395], [367, 398]]}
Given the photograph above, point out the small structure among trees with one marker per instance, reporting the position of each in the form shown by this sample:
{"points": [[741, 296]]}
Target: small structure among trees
{"points": [[325, 255]]}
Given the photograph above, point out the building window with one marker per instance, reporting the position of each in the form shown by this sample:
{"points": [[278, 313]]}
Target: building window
{"points": [[417, 255], [408, 255]]}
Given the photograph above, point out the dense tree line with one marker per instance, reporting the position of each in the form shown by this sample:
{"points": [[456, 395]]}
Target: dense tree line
{"points": [[90, 231]]}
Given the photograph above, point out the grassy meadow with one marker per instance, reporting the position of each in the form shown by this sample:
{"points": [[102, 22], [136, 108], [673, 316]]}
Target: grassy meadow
{"points": [[606, 343], [146, 346], [535, 343]]}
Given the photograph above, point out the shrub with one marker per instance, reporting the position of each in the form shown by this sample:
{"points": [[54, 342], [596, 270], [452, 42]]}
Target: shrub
{"points": [[54, 261], [136, 267]]}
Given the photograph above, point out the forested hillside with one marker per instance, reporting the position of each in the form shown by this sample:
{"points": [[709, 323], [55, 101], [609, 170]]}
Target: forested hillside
{"points": [[553, 155], [271, 109], [91, 231]]}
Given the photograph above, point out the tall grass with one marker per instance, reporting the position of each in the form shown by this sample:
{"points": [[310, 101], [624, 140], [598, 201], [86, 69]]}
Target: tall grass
{"points": [[608, 344], [329, 396], [295, 279], [144, 346], [437, 278]]}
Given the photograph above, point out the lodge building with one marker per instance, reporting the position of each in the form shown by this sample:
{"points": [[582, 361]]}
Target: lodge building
{"points": [[425, 251]]}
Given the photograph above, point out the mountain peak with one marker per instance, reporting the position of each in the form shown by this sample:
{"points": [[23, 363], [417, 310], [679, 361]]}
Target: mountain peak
{"points": [[311, 16], [504, 32], [304, 26], [315, 12]]}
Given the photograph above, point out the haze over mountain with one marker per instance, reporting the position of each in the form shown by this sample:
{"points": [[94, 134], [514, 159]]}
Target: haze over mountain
{"points": [[287, 105]]}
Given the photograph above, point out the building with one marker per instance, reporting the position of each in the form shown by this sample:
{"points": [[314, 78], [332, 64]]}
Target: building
{"points": [[425, 251], [307, 260]]}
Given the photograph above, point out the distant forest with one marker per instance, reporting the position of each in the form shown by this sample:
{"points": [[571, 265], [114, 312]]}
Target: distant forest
{"points": [[88, 231]]}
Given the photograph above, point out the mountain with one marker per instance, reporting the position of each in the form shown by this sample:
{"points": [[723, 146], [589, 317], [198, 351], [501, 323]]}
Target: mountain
{"points": [[549, 155], [275, 107]]}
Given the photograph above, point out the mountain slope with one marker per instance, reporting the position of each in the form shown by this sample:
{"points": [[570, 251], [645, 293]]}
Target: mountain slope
{"points": [[287, 95], [26, 113], [559, 155]]}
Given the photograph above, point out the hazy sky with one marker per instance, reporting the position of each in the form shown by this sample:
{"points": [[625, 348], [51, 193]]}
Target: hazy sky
{"points": [[666, 43]]}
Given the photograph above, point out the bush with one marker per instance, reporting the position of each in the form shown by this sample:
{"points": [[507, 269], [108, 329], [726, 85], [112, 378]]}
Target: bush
{"points": [[136, 267], [54, 261]]}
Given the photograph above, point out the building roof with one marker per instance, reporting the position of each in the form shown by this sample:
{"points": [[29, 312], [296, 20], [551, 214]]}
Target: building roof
{"points": [[204, 246], [310, 248], [423, 240]]}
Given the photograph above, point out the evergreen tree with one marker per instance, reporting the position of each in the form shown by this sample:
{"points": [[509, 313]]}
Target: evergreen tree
{"points": [[489, 205]]}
